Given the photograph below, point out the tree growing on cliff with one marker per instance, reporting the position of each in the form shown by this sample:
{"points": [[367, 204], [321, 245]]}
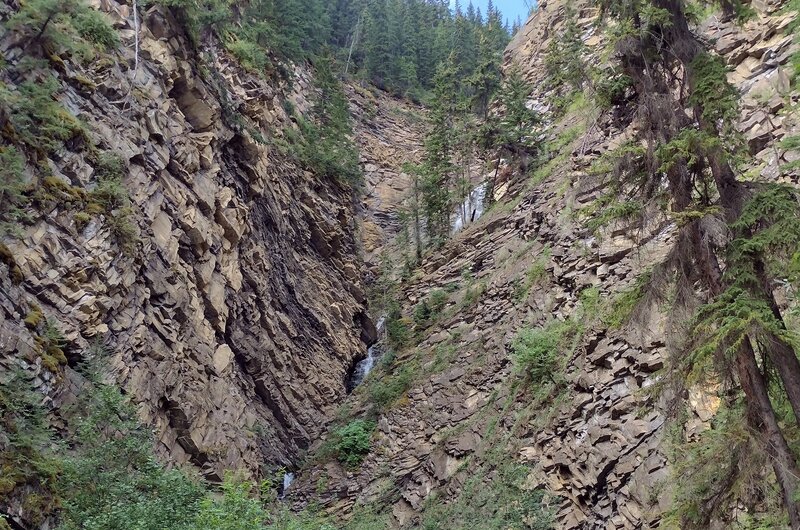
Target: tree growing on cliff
{"points": [[512, 132], [691, 151], [327, 146]]}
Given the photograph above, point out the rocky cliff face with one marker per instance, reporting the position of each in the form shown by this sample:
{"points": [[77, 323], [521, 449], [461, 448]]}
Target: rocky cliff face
{"points": [[236, 313], [598, 442], [389, 133]]}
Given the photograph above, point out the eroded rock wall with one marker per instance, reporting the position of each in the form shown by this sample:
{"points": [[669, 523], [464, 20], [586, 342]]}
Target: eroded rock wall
{"points": [[234, 320]]}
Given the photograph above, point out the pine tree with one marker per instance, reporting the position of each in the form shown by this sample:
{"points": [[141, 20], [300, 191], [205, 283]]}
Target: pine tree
{"points": [[438, 167], [739, 335], [486, 77]]}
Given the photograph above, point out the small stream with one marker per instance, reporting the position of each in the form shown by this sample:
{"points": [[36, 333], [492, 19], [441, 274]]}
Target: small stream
{"points": [[471, 209]]}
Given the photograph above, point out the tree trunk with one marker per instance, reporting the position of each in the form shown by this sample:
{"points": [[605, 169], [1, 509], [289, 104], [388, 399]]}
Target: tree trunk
{"points": [[762, 418]]}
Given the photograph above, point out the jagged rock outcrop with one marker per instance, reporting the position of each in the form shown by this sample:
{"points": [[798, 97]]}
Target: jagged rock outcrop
{"points": [[236, 315], [599, 445]]}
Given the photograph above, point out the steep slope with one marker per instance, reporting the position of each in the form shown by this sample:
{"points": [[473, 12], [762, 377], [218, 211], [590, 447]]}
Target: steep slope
{"points": [[469, 438], [235, 309]]}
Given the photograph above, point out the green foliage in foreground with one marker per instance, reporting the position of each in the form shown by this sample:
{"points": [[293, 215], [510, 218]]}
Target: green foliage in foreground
{"points": [[111, 478], [722, 462], [100, 472], [352, 442], [538, 352]]}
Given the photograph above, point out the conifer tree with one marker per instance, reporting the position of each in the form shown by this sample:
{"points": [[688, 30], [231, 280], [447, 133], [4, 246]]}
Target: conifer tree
{"points": [[688, 147], [438, 166]]}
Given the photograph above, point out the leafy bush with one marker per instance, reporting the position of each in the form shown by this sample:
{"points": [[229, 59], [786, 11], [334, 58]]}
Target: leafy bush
{"points": [[437, 300], [236, 510], [614, 211], [536, 273], [249, 54], [430, 309], [36, 119], [398, 332], [498, 498], [111, 479], [95, 28], [12, 189], [24, 456], [610, 88], [388, 389], [538, 352], [64, 23], [352, 442], [112, 198], [625, 303], [51, 343]]}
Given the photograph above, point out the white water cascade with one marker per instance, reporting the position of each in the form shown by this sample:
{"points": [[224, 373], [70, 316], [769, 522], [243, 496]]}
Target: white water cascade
{"points": [[288, 478], [365, 366], [471, 209]]}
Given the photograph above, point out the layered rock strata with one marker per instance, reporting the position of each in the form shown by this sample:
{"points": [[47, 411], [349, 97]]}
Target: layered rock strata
{"points": [[236, 316]]}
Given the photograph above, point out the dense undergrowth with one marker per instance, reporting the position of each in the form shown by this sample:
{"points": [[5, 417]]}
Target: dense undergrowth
{"points": [[94, 469]]}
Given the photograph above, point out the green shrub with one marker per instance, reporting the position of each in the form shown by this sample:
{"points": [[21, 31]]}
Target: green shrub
{"points": [[437, 300], [430, 309], [497, 498], [353, 441], [110, 478], [791, 143], [94, 27], [564, 61], [65, 24], [36, 119], [615, 211], [398, 332], [535, 274], [101, 474], [610, 88], [422, 314], [625, 303], [539, 353], [25, 454], [112, 198], [12, 189], [235, 510], [386, 390], [51, 342], [249, 54]]}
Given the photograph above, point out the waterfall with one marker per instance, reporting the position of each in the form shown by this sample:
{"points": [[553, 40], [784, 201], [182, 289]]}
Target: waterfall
{"points": [[471, 209], [288, 478], [365, 366]]}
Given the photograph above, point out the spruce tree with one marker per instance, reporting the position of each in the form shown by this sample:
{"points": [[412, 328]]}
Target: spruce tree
{"points": [[739, 335]]}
